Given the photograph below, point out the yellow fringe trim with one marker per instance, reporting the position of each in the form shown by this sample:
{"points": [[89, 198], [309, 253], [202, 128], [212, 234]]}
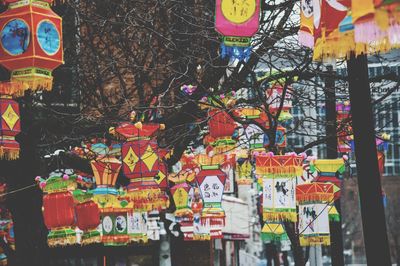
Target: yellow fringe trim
{"points": [[9, 154], [91, 240], [314, 197], [138, 239], [186, 212], [64, 241], [280, 216], [201, 237], [15, 89], [279, 171], [306, 241], [244, 181], [35, 83]]}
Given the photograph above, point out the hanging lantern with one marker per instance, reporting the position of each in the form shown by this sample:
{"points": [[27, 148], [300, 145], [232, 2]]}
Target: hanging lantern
{"points": [[10, 123], [237, 21], [306, 31], [211, 181], [58, 209], [279, 173], [314, 201], [31, 43], [87, 217], [221, 126], [275, 99], [327, 171], [180, 194], [273, 232], [106, 170], [243, 169]]}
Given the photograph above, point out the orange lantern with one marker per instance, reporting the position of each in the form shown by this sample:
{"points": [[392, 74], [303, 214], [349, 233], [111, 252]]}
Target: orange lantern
{"points": [[106, 171], [31, 42]]}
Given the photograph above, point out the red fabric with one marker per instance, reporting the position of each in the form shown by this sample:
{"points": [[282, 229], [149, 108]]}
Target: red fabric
{"points": [[220, 124], [87, 215], [58, 210], [4, 127], [129, 130]]}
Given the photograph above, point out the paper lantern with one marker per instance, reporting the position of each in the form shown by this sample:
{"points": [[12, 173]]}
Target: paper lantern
{"points": [[31, 43], [314, 201], [10, 125], [87, 217], [280, 138], [59, 218], [244, 171], [180, 194], [237, 21], [269, 165], [106, 170], [306, 31], [275, 99], [221, 125], [211, 181], [327, 170]]}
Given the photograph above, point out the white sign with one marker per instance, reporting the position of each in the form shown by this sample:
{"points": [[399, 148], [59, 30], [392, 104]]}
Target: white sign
{"points": [[313, 219], [279, 193], [212, 189]]}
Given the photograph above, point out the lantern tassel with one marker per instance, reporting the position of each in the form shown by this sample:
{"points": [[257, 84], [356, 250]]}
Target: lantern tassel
{"points": [[290, 216], [9, 154], [306, 241]]}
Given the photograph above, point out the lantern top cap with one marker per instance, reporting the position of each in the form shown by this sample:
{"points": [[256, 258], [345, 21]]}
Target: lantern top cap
{"points": [[128, 130], [15, 1]]}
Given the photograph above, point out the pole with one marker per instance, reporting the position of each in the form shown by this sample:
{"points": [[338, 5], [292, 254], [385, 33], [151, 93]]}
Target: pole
{"points": [[369, 184], [331, 145]]}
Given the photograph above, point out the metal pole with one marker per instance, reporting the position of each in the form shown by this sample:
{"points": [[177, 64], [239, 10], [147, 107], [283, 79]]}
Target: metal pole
{"points": [[331, 145], [369, 184]]}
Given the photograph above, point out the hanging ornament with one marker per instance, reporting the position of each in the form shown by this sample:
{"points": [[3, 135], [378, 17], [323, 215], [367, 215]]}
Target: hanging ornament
{"points": [[243, 168], [237, 21], [87, 217], [280, 138], [10, 125], [314, 200], [58, 209], [306, 32], [31, 43], [334, 215], [328, 172], [279, 173]]}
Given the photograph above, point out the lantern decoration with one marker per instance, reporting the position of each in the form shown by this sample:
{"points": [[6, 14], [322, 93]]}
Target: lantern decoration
{"points": [[10, 123], [211, 181], [328, 170], [31, 43], [221, 127], [142, 164], [279, 99], [358, 26], [180, 195], [188, 89], [237, 21], [243, 168], [105, 170], [273, 232], [279, 173], [314, 201], [58, 209], [137, 226], [87, 217]]}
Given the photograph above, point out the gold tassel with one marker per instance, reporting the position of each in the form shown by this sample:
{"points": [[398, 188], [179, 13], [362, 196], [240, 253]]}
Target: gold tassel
{"points": [[9, 154]]}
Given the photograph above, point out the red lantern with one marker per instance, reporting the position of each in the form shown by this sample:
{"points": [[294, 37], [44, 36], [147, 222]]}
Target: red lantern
{"points": [[221, 124], [31, 42], [59, 217], [87, 219], [10, 123]]}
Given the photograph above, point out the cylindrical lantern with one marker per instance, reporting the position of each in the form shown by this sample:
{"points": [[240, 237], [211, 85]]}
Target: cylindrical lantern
{"points": [[10, 125], [211, 181], [31, 43], [59, 217], [279, 174], [314, 201], [237, 21], [87, 217], [180, 194]]}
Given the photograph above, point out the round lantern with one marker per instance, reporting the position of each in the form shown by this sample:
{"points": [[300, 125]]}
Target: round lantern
{"points": [[10, 125], [31, 42], [87, 219], [59, 217], [221, 125]]}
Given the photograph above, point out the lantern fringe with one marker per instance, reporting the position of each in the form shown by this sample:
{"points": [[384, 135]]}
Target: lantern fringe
{"points": [[35, 83], [235, 52], [15, 89], [61, 237], [315, 197], [138, 238], [290, 216], [244, 181], [368, 31], [306, 39], [115, 240], [9, 154], [184, 212], [279, 171], [306, 241], [148, 199], [201, 237], [394, 35], [91, 237]]}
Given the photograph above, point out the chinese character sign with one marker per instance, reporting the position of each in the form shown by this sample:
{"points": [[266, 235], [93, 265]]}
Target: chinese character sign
{"points": [[314, 224], [212, 189]]}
